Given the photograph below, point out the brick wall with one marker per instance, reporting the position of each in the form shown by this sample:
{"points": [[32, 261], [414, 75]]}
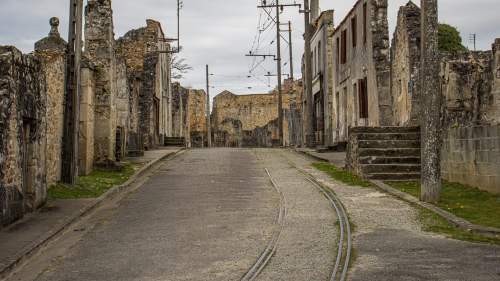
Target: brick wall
{"points": [[471, 155]]}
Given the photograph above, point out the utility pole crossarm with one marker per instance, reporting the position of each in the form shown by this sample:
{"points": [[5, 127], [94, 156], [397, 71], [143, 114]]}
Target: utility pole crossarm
{"points": [[280, 5]]}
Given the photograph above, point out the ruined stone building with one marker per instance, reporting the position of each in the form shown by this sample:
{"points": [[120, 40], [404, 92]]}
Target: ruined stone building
{"points": [[470, 103], [362, 69], [252, 120], [405, 67], [144, 52], [469, 114], [322, 48], [189, 115], [125, 106]]}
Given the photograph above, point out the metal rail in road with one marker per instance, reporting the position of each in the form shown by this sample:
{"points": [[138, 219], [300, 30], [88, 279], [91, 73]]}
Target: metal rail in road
{"points": [[345, 241], [344, 244], [268, 253]]}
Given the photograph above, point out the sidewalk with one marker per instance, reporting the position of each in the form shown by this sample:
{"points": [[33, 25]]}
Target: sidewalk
{"points": [[24, 237], [335, 158]]}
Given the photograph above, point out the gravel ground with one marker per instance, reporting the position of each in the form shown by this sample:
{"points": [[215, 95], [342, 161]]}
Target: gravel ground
{"points": [[390, 244], [307, 246]]}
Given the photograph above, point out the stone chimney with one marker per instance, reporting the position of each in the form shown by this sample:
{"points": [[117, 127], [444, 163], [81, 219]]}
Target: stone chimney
{"points": [[314, 10]]}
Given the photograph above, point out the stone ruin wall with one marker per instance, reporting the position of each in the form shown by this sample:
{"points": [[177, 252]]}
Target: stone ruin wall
{"points": [[23, 181], [252, 110], [149, 83], [405, 66], [99, 48], [240, 120], [179, 110], [87, 118], [470, 111], [197, 117]]}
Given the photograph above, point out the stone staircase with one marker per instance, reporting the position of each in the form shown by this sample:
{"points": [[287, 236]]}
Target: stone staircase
{"points": [[175, 141], [385, 153]]}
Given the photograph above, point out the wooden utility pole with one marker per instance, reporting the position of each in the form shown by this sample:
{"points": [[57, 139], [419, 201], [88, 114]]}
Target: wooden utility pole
{"points": [[290, 48], [69, 171], [209, 125], [308, 108], [278, 8], [431, 117], [278, 61]]}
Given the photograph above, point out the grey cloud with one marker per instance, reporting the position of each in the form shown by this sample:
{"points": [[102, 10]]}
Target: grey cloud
{"points": [[220, 32]]}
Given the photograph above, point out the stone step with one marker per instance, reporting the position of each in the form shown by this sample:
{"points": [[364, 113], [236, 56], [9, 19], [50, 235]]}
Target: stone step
{"points": [[370, 169], [389, 152], [383, 130], [389, 144], [389, 136], [389, 160], [394, 176]]}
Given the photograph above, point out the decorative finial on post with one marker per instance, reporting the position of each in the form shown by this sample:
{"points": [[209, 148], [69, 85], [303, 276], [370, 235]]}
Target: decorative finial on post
{"points": [[54, 30]]}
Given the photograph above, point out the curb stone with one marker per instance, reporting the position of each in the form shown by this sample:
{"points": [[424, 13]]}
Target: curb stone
{"points": [[451, 218], [312, 155], [34, 247]]}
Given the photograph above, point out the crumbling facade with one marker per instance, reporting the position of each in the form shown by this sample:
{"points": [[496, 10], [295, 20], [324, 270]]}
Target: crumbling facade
{"points": [[470, 103], [23, 120], [100, 50], [405, 67], [322, 47], [197, 118], [240, 120], [362, 69]]}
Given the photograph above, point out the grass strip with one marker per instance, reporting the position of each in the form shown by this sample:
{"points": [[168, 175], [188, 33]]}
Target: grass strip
{"points": [[342, 175], [93, 185], [477, 206]]}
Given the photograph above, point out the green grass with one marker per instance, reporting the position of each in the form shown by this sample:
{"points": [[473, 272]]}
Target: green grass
{"points": [[432, 222], [342, 175], [93, 185], [478, 207]]}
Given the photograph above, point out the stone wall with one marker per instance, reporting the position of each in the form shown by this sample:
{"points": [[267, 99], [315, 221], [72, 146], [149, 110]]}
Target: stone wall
{"points": [[23, 109], [87, 118], [197, 108], [248, 115], [144, 52], [99, 48], [179, 110], [471, 155], [122, 109], [405, 66]]}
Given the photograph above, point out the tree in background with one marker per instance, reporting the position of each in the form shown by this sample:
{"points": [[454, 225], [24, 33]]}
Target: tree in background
{"points": [[179, 66], [450, 40]]}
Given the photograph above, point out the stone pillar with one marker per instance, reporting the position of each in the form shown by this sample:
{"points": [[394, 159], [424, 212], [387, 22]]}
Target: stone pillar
{"points": [[99, 48], [431, 104], [51, 53]]}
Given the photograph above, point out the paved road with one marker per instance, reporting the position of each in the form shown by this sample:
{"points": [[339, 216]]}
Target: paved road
{"points": [[206, 215]]}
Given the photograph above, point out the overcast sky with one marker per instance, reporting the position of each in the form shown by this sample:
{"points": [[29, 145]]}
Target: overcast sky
{"points": [[221, 32]]}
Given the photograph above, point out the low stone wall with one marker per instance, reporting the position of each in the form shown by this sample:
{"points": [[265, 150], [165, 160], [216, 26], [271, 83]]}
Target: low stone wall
{"points": [[471, 155]]}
